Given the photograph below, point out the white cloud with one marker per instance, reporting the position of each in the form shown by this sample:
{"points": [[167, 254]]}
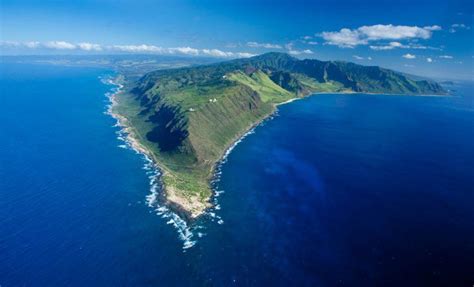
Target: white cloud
{"points": [[154, 49], [382, 32], [184, 51], [446, 57], [57, 45], [312, 43], [137, 48], [361, 58], [390, 46], [347, 38], [15, 44], [433, 28], [409, 56], [60, 45], [455, 27], [217, 53], [395, 45], [300, 52], [307, 38], [32, 44], [244, 55], [143, 48], [421, 47], [223, 54], [263, 45], [9, 44], [429, 60], [89, 46], [460, 26], [289, 46]]}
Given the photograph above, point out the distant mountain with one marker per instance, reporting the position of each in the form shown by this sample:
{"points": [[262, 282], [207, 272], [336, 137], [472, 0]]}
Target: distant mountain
{"points": [[353, 77], [186, 118]]}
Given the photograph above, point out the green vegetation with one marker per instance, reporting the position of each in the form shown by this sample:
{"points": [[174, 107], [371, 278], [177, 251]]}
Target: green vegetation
{"points": [[186, 118], [258, 81]]}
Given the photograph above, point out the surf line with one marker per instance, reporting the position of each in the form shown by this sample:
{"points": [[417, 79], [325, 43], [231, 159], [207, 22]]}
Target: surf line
{"points": [[184, 230]]}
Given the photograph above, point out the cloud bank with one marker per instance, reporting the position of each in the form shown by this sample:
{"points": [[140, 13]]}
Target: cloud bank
{"points": [[143, 48], [347, 38], [263, 45], [60, 45], [300, 52], [398, 45]]}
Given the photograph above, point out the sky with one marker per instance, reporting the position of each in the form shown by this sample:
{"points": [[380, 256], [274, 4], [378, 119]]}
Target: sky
{"points": [[428, 38]]}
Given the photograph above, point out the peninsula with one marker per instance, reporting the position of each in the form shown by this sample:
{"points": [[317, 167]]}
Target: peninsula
{"points": [[185, 119]]}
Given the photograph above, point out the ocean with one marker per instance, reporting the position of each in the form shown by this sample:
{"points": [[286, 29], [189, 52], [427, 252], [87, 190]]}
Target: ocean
{"points": [[333, 190]]}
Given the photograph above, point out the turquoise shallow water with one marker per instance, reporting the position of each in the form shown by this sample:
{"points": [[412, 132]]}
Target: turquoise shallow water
{"points": [[336, 190]]}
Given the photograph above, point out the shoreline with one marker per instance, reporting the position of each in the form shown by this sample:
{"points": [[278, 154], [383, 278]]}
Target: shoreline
{"points": [[121, 122], [170, 199], [217, 165], [184, 209], [175, 214]]}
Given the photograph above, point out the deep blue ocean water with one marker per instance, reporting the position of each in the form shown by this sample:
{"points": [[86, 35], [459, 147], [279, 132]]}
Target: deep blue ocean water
{"points": [[335, 190]]}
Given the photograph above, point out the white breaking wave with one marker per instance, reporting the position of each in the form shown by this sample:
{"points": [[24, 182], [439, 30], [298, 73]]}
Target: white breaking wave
{"points": [[185, 232]]}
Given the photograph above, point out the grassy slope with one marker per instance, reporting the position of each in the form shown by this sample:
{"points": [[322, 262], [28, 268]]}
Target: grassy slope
{"points": [[203, 110], [216, 116], [263, 85]]}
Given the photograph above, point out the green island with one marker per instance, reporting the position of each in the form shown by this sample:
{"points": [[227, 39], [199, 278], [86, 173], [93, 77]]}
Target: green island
{"points": [[185, 119]]}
